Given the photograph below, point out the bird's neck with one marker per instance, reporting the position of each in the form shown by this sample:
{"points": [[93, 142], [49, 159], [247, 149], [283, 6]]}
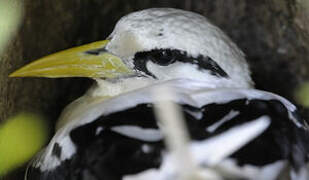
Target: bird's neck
{"points": [[105, 88], [101, 91]]}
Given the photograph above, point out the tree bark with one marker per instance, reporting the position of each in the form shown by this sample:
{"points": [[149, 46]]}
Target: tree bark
{"points": [[274, 34]]}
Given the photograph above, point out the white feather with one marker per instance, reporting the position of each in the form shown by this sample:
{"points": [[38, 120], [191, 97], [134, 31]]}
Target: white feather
{"points": [[144, 134], [226, 118], [215, 149]]}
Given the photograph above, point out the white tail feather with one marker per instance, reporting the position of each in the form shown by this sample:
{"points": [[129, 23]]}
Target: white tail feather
{"points": [[176, 135], [215, 149]]}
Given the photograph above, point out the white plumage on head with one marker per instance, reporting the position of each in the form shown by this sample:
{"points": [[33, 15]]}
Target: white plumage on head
{"points": [[174, 29]]}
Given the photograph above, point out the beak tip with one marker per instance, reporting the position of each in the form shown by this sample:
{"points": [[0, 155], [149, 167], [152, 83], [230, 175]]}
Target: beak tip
{"points": [[13, 74], [17, 73]]}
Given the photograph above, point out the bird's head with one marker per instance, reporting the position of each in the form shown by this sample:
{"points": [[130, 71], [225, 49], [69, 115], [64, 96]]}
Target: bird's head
{"points": [[155, 45]]}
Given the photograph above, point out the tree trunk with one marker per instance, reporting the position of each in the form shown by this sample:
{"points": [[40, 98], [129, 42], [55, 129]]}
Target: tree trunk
{"points": [[274, 34]]}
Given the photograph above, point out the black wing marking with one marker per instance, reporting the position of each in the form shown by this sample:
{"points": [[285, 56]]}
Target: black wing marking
{"points": [[105, 154]]}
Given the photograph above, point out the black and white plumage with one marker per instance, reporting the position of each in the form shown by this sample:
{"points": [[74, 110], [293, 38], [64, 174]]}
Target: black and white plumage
{"points": [[112, 133], [127, 142]]}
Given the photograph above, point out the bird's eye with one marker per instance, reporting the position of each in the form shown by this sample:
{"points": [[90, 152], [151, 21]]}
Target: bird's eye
{"points": [[162, 57]]}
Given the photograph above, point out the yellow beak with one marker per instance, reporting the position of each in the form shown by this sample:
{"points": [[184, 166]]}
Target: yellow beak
{"points": [[90, 60]]}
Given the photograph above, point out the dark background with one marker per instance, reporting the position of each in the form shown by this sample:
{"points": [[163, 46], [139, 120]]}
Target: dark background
{"points": [[272, 33]]}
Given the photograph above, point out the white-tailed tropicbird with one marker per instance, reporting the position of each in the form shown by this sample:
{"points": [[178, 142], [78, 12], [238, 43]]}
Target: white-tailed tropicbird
{"points": [[111, 132]]}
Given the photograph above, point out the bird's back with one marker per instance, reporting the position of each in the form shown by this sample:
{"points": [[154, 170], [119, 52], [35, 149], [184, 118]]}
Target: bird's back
{"points": [[123, 141]]}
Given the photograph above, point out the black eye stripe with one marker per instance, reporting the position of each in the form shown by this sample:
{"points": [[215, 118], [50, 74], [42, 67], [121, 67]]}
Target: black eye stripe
{"points": [[165, 57], [140, 60]]}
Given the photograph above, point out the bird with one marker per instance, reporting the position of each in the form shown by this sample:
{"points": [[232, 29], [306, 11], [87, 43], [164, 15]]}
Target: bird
{"points": [[112, 132]]}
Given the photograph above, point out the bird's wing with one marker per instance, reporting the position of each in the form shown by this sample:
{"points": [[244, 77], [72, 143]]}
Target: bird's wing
{"points": [[121, 136]]}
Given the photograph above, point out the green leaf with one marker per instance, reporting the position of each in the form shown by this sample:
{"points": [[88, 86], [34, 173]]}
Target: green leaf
{"points": [[10, 17], [302, 95], [20, 138]]}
